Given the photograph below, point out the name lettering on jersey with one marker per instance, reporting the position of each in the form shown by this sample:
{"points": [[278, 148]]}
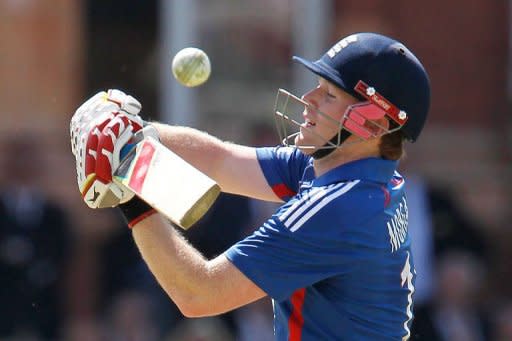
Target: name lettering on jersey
{"points": [[397, 226], [333, 51]]}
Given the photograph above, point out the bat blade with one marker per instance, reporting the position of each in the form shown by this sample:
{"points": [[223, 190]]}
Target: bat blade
{"points": [[167, 182]]}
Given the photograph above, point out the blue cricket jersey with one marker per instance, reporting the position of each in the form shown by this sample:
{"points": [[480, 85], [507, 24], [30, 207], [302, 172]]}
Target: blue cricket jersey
{"points": [[335, 258]]}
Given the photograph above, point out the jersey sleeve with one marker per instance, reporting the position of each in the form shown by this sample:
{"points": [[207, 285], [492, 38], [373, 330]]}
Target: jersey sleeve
{"points": [[283, 168], [305, 242]]}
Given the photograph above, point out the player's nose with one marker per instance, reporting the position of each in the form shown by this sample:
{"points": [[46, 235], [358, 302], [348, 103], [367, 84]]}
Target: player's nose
{"points": [[311, 97]]}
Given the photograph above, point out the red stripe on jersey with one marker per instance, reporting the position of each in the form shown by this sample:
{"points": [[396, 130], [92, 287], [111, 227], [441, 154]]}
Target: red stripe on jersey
{"points": [[282, 191], [140, 170], [296, 320]]}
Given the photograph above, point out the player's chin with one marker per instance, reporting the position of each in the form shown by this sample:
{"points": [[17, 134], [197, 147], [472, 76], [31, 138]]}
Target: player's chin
{"points": [[308, 150], [299, 140], [307, 146]]}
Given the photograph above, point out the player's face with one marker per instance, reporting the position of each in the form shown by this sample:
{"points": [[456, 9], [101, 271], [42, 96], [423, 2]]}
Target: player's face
{"points": [[328, 104]]}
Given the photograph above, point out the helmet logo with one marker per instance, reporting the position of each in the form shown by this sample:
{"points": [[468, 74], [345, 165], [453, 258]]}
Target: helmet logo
{"points": [[369, 92], [333, 51]]}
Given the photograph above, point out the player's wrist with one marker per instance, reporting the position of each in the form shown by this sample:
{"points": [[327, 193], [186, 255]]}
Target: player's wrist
{"points": [[135, 210]]}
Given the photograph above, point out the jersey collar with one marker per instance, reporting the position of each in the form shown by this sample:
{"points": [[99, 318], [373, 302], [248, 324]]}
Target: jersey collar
{"points": [[369, 169]]}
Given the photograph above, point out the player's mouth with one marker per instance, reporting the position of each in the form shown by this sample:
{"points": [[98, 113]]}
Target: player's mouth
{"points": [[308, 123], [306, 115]]}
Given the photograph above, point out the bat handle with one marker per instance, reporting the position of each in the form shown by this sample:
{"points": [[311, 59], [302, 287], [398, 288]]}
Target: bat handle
{"points": [[148, 130], [139, 136], [126, 149]]}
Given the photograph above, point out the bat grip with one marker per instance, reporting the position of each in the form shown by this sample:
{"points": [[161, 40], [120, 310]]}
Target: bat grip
{"points": [[125, 150], [148, 130]]}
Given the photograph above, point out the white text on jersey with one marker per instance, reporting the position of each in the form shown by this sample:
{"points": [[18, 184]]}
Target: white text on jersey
{"points": [[397, 226]]}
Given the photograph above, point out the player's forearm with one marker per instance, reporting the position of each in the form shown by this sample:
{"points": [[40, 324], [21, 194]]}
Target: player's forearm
{"points": [[203, 151], [179, 269]]}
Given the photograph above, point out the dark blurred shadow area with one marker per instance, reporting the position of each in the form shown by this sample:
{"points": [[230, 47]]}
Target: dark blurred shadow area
{"points": [[69, 273], [35, 245], [455, 311]]}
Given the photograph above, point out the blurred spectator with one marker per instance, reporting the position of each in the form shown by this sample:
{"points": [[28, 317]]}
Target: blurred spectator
{"points": [[444, 237], [202, 329], [122, 268], [131, 317], [454, 228], [502, 323], [438, 225], [83, 330], [34, 244], [455, 313]]}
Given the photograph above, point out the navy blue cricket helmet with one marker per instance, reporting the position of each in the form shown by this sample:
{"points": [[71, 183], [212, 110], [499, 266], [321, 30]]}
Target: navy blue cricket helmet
{"points": [[385, 65]]}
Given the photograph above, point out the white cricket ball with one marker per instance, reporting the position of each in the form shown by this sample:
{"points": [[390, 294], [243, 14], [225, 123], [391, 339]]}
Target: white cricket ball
{"points": [[191, 67]]}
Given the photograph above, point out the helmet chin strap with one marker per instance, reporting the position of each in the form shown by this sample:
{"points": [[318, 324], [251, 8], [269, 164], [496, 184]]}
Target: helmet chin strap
{"points": [[336, 140]]}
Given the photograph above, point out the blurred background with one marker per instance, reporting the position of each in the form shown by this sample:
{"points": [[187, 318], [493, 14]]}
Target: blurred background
{"points": [[69, 273]]}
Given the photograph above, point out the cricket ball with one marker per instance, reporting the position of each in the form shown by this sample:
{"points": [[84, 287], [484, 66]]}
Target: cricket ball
{"points": [[191, 67]]}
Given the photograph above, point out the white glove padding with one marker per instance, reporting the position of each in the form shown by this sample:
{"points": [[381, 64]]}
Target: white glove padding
{"points": [[103, 103], [87, 125]]}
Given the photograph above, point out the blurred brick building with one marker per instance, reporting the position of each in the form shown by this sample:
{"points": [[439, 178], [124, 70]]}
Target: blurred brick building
{"points": [[42, 76]]}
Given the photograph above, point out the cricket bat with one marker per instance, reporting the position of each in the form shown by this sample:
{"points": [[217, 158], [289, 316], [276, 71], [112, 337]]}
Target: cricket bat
{"points": [[167, 182]]}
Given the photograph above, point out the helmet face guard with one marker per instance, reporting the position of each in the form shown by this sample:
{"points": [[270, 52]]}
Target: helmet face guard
{"points": [[358, 119]]}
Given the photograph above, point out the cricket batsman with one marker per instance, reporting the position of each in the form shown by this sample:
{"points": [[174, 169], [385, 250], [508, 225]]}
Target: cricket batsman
{"points": [[336, 256]]}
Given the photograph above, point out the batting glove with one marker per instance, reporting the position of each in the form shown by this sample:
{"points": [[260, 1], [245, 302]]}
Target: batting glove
{"points": [[99, 129]]}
